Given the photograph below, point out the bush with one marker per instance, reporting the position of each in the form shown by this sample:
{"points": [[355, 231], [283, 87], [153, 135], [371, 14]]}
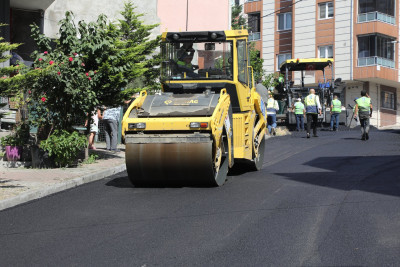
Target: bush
{"points": [[64, 146]]}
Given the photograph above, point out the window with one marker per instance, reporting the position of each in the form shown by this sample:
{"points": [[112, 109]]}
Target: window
{"points": [[382, 6], [254, 26], [325, 51], [376, 50], [283, 57], [254, 22], [388, 100], [326, 10], [374, 10], [242, 61], [285, 21]]}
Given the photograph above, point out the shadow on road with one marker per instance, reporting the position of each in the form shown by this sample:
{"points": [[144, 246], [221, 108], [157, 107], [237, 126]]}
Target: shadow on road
{"points": [[376, 174]]}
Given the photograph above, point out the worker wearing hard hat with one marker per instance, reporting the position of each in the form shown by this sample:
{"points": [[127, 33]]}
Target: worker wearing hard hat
{"points": [[272, 108], [364, 110], [300, 113], [313, 107], [336, 108]]}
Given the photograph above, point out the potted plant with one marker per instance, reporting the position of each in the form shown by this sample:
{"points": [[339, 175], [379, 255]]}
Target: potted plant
{"points": [[13, 146], [13, 143]]}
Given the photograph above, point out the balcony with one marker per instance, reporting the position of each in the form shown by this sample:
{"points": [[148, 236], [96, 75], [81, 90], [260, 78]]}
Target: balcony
{"points": [[376, 16], [254, 36], [373, 61], [248, 1]]}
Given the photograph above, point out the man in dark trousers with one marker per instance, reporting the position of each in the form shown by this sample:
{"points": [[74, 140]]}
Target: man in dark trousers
{"points": [[364, 110], [313, 107]]}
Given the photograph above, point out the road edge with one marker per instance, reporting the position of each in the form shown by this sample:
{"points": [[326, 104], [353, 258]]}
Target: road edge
{"points": [[59, 187]]}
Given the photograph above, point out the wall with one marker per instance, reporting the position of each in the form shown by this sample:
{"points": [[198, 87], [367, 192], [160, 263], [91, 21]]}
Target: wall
{"points": [[90, 10], [343, 39], [194, 15], [268, 33], [304, 34]]}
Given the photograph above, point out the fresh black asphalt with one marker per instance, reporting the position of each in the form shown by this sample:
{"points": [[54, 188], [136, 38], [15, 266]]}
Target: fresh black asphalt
{"points": [[331, 200]]}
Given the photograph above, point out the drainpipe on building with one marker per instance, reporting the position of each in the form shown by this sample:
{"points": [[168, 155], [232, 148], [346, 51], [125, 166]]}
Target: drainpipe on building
{"points": [[41, 26], [351, 40]]}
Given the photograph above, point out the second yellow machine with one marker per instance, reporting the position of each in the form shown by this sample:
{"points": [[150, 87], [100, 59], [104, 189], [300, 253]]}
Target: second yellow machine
{"points": [[208, 115]]}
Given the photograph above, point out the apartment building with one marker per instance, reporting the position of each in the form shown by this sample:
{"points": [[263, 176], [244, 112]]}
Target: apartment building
{"points": [[254, 11], [362, 36]]}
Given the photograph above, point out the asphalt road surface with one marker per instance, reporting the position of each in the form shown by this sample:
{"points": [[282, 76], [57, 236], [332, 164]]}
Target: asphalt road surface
{"points": [[331, 200]]}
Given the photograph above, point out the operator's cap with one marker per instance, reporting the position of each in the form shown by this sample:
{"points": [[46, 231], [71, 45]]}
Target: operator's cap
{"points": [[298, 99]]}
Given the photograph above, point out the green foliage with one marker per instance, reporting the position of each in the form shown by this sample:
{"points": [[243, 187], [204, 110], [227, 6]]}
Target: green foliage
{"points": [[64, 146], [257, 63], [271, 80], [92, 159], [238, 21], [91, 64], [10, 77], [139, 51], [18, 137]]}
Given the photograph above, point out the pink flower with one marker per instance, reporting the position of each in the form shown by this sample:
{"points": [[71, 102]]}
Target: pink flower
{"points": [[58, 73], [95, 72], [83, 64], [29, 92], [51, 62], [71, 59], [87, 73], [45, 52], [90, 79], [43, 99], [40, 59], [75, 54]]}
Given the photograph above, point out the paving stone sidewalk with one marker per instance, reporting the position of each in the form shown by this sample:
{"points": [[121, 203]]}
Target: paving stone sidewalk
{"points": [[20, 185]]}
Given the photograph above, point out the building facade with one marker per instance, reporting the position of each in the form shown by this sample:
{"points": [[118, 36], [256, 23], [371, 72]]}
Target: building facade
{"points": [[178, 15], [362, 36]]}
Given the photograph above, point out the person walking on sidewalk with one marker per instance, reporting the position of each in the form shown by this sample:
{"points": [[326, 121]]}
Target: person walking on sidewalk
{"points": [[300, 114], [272, 108], [336, 108], [313, 107], [364, 110], [111, 118]]}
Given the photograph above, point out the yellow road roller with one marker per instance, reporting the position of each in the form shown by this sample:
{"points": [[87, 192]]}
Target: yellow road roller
{"points": [[207, 116]]}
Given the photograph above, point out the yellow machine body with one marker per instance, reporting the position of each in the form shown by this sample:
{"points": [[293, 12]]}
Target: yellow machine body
{"points": [[203, 120]]}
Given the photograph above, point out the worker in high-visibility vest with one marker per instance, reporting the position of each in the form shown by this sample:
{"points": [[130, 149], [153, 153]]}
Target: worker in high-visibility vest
{"points": [[313, 107], [364, 111], [272, 108], [336, 108], [300, 113]]}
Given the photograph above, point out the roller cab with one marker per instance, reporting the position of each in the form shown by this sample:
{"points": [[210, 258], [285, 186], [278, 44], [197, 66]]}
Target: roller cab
{"points": [[207, 115]]}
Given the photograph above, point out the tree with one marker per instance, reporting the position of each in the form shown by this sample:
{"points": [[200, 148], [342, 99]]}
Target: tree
{"points": [[238, 21], [139, 50], [9, 76], [89, 65]]}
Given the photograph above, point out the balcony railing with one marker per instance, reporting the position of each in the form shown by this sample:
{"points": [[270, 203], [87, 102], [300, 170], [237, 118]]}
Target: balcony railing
{"points": [[376, 16], [254, 36], [371, 61], [247, 1]]}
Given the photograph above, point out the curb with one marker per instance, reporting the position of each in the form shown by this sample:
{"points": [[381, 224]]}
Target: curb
{"points": [[68, 184]]}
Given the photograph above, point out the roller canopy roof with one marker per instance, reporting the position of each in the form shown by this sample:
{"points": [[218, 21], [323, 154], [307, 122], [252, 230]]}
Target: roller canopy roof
{"points": [[308, 64]]}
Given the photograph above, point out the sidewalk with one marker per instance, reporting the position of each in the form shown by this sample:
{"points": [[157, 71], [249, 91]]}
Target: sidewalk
{"points": [[20, 185]]}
